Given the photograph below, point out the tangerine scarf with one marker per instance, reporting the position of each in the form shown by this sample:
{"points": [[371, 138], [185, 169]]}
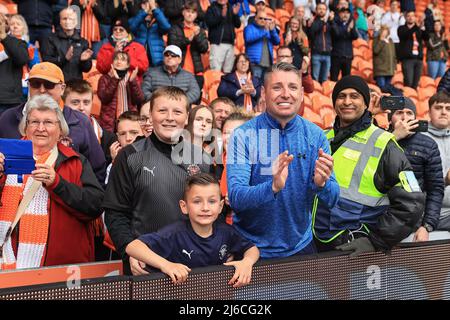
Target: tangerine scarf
{"points": [[248, 105]]}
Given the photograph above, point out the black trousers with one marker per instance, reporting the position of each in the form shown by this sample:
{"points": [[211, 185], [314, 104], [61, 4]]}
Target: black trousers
{"points": [[340, 64]]}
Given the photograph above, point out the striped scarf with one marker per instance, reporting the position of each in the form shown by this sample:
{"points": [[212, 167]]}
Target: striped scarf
{"points": [[90, 28], [248, 105], [34, 223], [97, 129], [122, 96]]}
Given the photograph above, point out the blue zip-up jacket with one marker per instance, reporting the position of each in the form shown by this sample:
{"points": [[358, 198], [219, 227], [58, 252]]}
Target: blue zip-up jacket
{"points": [[254, 36], [279, 224], [151, 37]]}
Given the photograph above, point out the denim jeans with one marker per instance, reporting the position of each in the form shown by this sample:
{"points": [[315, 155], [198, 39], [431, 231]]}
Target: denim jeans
{"points": [[436, 68], [320, 67], [258, 71], [383, 81], [363, 34]]}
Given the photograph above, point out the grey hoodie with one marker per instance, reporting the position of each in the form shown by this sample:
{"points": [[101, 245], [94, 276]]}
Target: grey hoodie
{"points": [[442, 138]]}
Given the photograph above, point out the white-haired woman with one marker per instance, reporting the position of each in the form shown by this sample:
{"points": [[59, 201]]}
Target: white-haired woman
{"points": [[18, 28], [55, 226]]}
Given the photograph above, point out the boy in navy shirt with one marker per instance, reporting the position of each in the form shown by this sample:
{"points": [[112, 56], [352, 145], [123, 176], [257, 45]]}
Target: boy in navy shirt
{"points": [[198, 242]]}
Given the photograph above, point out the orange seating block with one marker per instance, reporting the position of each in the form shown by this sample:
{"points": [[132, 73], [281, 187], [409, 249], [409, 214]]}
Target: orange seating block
{"points": [[212, 81], [410, 93], [426, 82], [310, 115], [382, 120], [328, 87], [321, 101], [317, 86]]}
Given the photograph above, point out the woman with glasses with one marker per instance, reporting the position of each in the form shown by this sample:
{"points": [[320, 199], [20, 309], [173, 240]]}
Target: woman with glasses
{"points": [[48, 214], [145, 119], [241, 86], [122, 40]]}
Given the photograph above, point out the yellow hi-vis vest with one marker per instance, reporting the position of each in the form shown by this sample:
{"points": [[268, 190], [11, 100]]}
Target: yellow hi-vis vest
{"points": [[355, 164]]}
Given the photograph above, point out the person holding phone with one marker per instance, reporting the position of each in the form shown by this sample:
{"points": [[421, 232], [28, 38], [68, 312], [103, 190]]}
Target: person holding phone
{"points": [[424, 156]]}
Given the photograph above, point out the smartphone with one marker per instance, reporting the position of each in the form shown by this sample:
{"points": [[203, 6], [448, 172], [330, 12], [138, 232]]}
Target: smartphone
{"points": [[392, 102], [423, 126]]}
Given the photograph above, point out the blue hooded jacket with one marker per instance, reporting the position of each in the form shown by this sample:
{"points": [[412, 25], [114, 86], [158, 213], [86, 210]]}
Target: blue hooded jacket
{"points": [[254, 39]]}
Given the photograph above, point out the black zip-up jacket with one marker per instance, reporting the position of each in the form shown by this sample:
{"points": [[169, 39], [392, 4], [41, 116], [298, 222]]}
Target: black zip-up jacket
{"points": [[405, 35], [425, 158], [199, 45], [444, 84], [36, 12], [219, 25], [11, 70], [342, 39], [54, 50], [320, 37], [405, 208]]}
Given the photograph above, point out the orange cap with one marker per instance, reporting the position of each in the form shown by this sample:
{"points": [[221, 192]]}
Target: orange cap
{"points": [[47, 71]]}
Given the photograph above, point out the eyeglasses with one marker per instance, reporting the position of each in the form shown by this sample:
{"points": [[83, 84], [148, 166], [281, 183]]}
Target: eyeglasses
{"points": [[144, 119], [170, 54], [47, 123], [266, 19], [37, 83]]}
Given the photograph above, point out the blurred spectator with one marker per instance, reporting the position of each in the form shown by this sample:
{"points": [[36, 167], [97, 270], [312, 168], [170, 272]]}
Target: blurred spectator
{"points": [[361, 24], [375, 13], [104, 20], [130, 210], [343, 33], [303, 10], [119, 91], [384, 61], [221, 19], [64, 197], [66, 48], [171, 74], [241, 85], [173, 10], [407, 6], [276, 4], [78, 95], [122, 40], [297, 41], [244, 11], [222, 107], [444, 84], [48, 78], [423, 154], [432, 14], [13, 57], [121, 8], [376, 207], [260, 5], [39, 16], [260, 38], [149, 25], [145, 119], [315, 4], [192, 41], [18, 28], [393, 19], [437, 51], [320, 36], [410, 51], [200, 124], [438, 130]]}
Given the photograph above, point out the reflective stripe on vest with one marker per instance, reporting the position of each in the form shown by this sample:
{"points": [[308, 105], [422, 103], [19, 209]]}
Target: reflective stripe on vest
{"points": [[355, 164]]}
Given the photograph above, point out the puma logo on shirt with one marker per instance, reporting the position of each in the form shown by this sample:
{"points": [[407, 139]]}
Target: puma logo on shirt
{"points": [[151, 171], [187, 253]]}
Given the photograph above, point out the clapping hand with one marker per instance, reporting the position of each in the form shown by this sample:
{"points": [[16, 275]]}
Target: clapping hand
{"points": [[323, 169]]}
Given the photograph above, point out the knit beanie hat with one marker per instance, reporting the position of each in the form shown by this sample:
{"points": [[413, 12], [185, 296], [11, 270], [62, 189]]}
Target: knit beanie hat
{"points": [[352, 82], [121, 21], [409, 104]]}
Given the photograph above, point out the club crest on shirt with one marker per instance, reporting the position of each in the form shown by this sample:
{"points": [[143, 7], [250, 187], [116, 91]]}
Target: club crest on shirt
{"points": [[193, 169], [223, 252]]}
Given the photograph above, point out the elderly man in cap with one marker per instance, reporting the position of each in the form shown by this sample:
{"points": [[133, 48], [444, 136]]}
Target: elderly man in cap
{"points": [[171, 74], [423, 154], [48, 78], [380, 201]]}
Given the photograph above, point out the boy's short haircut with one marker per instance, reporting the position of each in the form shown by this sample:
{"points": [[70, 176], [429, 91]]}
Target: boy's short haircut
{"points": [[238, 115], [80, 86], [122, 54], [223, 100], [172, 93], [129, 115], [190, 5], [439, 97], [199, 179]]}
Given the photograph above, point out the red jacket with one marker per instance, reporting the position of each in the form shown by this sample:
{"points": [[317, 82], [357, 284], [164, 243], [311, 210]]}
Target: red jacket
{"points": [[107, 93], [136, 51], [75, 201]]}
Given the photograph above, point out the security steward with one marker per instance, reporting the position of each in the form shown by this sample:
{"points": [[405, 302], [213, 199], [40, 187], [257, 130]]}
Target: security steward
{"points": [[380, 201]]}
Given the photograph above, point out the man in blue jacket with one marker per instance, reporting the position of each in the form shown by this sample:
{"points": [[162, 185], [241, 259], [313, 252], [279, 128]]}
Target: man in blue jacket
{"points": [[260, 38], [277, 163], [48, 78]]}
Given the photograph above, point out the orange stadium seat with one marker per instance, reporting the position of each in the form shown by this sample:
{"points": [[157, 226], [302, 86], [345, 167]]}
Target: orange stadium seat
{"points": [[382, 120], [317, 86], [410, 93], [92, 77], [425, 93], [320, 101], [328, 115], [422, 108], [310, 115], [426, 81], [328, 87], [212, 81]]}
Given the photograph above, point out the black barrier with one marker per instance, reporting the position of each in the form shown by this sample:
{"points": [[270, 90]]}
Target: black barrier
{"points": [[421, 272]]}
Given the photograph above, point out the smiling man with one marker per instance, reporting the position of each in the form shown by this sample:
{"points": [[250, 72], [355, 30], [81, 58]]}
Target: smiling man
{"points": [[378, 205], [276, 164], [145, 183]]}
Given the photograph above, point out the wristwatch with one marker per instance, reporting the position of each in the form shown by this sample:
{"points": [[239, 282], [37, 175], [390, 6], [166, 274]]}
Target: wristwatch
{"points": [[429, 227]]}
